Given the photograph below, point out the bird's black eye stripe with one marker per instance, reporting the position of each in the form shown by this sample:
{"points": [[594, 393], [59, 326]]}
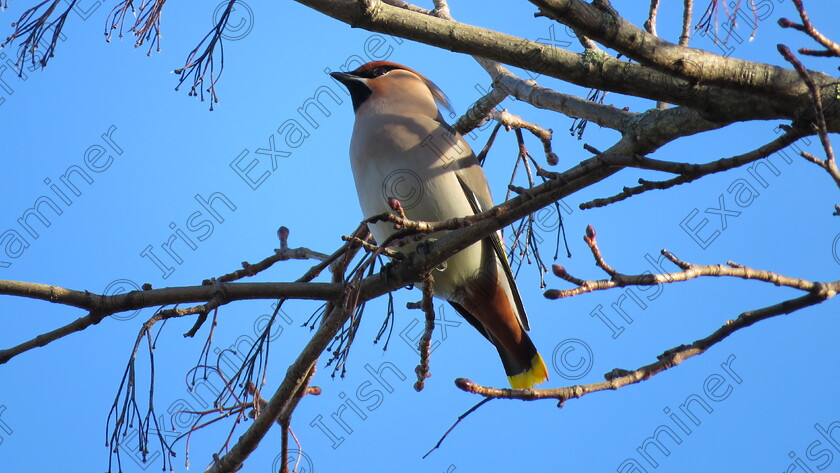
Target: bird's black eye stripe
{"points": [[376, 72]]}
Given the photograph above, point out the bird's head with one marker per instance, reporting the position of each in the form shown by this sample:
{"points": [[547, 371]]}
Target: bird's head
{"points": [[388, 87]]}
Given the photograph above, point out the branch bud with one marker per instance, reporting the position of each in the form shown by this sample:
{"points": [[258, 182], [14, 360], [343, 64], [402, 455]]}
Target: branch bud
{"points": [[283, 235], [466, 385], [552, 294], [395, 204]]}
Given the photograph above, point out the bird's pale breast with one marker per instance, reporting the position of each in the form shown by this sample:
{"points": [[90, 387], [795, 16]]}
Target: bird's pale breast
{"points": [[413, 159]]}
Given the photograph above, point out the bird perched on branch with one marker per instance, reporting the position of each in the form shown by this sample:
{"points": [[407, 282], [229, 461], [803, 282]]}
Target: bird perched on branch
{"points": [[403, 149]]}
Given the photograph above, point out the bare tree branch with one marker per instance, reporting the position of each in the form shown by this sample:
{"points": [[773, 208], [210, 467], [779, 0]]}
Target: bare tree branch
{"points": [[425, 343], [816, 293], [650, 24], [202, 67], [542, 97], [601, 71], [619, 378], [832, 48], [101, 306], [830, 165], [284, 253], [710, 91], [688, 271], [509, 121], [604, 25], [146, 25], [33, 26], [476, 114], [43, 339], [685, 37], [691, 172], [282, 403]]}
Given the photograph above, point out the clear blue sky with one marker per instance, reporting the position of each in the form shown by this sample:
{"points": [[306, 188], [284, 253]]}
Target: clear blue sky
{"points": [[754, 402]]}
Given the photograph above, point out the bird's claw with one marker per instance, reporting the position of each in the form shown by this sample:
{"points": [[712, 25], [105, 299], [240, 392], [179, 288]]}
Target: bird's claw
{"points": [[425, 247]]}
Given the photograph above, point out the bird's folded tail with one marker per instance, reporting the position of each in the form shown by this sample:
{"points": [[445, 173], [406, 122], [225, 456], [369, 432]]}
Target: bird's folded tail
{"points": [[523, 365], [532, 376], [522, 375]]}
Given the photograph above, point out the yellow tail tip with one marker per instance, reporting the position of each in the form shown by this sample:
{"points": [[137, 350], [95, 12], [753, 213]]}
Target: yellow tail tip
{"points": [[537, 374]]}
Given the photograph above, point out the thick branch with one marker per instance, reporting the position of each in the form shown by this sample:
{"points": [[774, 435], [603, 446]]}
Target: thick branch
{"points": [[100, 306], [282, 403], [603, 24], [589, 70], [171, 295], [570, 105], [296, 377], [478, 111]]}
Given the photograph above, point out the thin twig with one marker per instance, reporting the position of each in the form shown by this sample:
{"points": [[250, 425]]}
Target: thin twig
{"points": [[685, 36], [650, 23], [832, 48], [509, 121], [619, 378], [460, 418], [200, 65], [425, 343], [689, 172], [830, 164], [146, 25], [688, 271], [284, 253], [33, 26]]}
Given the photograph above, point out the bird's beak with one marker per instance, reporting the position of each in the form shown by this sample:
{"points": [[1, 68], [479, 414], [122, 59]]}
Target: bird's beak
{"points": [[357, 86], [345, 77]]}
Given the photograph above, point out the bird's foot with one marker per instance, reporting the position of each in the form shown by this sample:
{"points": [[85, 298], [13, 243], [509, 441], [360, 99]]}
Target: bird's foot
{"points": [[425, 246]]}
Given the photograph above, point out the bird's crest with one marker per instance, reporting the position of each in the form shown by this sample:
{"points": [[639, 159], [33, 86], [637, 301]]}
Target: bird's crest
{"points": [[377, 68]]}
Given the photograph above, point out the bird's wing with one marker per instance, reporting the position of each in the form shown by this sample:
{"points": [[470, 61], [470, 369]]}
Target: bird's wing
{"points": [[474, 183]]}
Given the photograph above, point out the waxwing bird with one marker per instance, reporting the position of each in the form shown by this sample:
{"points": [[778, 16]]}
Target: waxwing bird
{"points": [[402, 148]]}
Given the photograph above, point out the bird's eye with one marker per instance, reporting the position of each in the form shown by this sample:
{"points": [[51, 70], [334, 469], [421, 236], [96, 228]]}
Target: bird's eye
{"points": [[380, 71]]}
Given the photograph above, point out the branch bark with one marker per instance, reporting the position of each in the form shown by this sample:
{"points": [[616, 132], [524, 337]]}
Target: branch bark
{"points": [[595, 70]]}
